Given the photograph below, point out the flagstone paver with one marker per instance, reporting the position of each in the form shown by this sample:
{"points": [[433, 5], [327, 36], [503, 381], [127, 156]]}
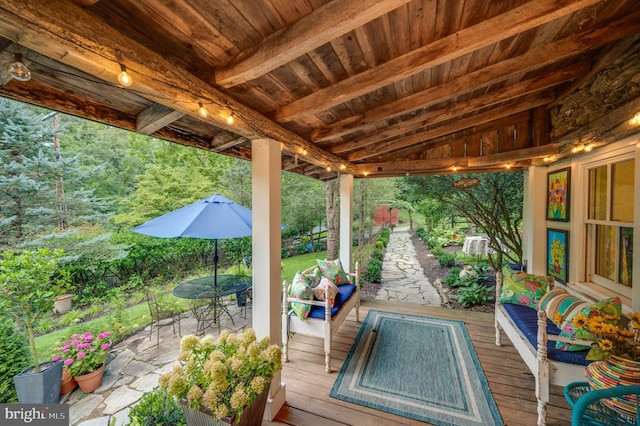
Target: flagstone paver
{"points": [[133, 370], [403, 278]]}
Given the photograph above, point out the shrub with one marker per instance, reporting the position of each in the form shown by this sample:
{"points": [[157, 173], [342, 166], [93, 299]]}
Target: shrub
{"points": [[384, 236], [447, 259], [14, 357], [284, 252], [156, 408], [301, 249], [422, 233], [433, 243], [474, 294], [379, 245], [378, 254], [373, 271]]}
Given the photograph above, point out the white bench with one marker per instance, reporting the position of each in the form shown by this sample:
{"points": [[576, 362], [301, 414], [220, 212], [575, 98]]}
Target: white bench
{"points": [[314, 327], [545, 371]]}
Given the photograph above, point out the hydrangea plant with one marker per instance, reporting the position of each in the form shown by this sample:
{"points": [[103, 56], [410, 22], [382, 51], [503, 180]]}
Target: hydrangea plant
{"points": [[223, 376]]}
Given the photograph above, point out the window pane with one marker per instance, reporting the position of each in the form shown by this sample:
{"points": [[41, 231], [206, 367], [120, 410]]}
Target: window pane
{"points": [[626, 255], [622, 191], [606, 251], [598, 193]]}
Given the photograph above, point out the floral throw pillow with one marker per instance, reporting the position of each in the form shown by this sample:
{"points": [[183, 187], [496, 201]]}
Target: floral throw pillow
{"points": [[301, 289], [574, 324], [333, 270], [314, 277], [521, 288], [319, 291]]}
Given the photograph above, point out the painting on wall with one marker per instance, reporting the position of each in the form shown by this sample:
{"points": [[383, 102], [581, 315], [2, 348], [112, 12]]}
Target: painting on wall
{"points": [[558, 188], [558, 254]]}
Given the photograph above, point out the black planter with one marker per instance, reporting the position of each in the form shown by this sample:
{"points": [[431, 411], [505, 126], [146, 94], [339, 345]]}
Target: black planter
{"points": [[42, 387]]}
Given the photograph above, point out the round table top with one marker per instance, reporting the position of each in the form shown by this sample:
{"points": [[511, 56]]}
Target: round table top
{"points": [[203, 287]]}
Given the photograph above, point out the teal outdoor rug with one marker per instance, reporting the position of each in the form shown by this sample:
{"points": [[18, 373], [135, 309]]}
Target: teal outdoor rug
{"points": [[417, 367]]}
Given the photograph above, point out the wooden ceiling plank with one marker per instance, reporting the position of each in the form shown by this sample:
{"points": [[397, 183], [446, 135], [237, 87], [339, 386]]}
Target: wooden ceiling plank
{"points": [[90, 45], [493, 114], [529, 61], [485, 33], [433, 117], [155, 117], [321, 26], [518, 155]]}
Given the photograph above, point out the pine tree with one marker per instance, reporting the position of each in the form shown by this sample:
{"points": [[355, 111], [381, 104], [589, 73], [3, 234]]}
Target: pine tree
{"points": [[40, 187]]}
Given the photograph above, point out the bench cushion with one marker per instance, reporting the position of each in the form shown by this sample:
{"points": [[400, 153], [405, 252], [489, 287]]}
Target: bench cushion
{"points": [[344, 293], [526, 319]]}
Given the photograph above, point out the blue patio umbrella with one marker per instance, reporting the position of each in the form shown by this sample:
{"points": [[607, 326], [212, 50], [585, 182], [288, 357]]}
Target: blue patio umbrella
{"points": [[214, 217]]}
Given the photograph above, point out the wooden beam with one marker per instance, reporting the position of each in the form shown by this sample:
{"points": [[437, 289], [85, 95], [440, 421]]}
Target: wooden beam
{"points": [[324, 24], [155, 117], [222, 146], [530, 61], [466, 41], [493, 114], [90, 45], [429, 168], [452, 111], [515, 156]]}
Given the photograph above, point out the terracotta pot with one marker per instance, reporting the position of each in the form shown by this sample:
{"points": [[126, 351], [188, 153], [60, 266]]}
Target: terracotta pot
{"points": [[251, 415], [62, 304], [91, 381], [615, 371], [68, 382]]}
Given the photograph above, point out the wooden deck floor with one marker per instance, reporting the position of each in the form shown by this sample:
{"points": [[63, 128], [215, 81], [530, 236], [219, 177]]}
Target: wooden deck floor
{"points": [[308, 402]]}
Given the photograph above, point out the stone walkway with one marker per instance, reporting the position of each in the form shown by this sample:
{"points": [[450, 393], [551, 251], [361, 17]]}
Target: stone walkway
{"points": [[403, 278]]}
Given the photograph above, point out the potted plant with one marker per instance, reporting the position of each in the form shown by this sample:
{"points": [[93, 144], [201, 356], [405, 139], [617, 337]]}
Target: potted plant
{"points": [[223, 382], [30, 280], [84, 356]]}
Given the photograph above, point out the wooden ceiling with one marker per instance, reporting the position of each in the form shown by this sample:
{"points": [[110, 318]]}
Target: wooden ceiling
{"points": [[369, 87]]}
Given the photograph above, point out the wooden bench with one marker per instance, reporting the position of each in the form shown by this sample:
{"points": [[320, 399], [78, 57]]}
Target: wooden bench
{"points": [[326, 325], [538, 355]]}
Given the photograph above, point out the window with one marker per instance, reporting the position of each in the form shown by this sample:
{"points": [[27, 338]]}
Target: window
{"points": [[609, 225]]}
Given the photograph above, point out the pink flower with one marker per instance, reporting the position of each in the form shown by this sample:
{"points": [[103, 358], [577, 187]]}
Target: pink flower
{"points": [[105, 346], [68, 362], [104, 335], [74, 336], [56, 358], [81, 355]]}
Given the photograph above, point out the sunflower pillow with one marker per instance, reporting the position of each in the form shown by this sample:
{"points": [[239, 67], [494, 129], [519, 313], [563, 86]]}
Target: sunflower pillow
{"points": [[575, 326]]}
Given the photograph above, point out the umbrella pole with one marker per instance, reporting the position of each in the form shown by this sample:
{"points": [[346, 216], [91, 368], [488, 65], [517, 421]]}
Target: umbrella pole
{"points": [[215, 266]]}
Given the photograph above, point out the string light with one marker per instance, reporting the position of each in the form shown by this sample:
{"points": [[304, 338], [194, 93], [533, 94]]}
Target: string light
{"points": [[508, 165], [366, 173], [124, 78], [588, 148], [202, 110], [455, 168], [342, 167], [328, 168], [635, 121], [230, 119], [18, 69]]}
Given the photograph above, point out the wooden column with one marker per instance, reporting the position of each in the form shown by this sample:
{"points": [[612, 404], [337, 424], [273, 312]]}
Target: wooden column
{"points": [[346, 221], [534, 222], [266, 220]]}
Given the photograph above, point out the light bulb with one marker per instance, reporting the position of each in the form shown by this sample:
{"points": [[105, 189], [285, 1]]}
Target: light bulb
{"points": [[230, 119], [18, 69], [508, 165], [124, 78], [588, 148], [202, 110], [328, 168], [455, 168]]}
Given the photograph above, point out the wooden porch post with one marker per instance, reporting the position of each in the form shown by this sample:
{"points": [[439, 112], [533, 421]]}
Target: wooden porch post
{"points": [[533, 223], [346, 221], [266, 219]]}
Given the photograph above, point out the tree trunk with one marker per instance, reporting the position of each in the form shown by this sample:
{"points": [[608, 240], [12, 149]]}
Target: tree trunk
{"points": [[333, 218]]}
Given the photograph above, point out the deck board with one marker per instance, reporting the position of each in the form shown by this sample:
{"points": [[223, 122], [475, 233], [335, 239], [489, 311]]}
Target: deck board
{"points": [[510, 382]]}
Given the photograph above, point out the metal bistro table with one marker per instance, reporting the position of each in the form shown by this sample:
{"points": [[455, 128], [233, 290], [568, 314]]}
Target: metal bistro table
{"points": [[203, 289]]}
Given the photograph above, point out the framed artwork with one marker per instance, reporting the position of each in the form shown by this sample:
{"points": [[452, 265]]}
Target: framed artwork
{"points": [[558, 191], [558, 254]]}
